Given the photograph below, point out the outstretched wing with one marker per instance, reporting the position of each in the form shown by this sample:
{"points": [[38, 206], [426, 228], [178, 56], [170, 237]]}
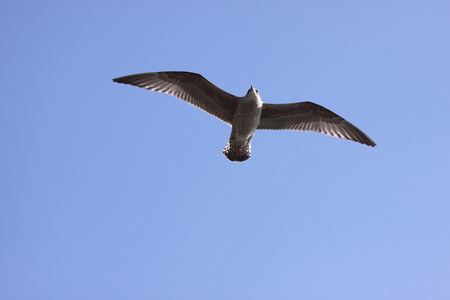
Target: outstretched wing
{"points": [[189, 87], [308, 116]]}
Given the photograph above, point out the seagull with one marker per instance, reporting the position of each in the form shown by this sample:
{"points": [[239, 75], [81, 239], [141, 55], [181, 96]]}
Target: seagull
{"points": [[248, 113]]}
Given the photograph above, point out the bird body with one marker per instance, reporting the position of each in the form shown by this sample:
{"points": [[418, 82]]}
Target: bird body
{"points": [[244, 123], [248, 113]]}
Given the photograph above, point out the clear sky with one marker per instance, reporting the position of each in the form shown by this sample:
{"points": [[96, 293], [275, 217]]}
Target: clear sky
{"points": [[109, 191]]}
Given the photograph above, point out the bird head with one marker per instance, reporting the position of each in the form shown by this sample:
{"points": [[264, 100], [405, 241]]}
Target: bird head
{"points": [[253, 91]]}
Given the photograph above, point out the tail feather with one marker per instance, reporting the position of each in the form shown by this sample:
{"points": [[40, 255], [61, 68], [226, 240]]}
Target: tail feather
{"points": [[235, 152]]}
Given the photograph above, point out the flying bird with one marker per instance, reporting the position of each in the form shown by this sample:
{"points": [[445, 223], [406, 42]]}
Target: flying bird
{"points": [[248, 113]]}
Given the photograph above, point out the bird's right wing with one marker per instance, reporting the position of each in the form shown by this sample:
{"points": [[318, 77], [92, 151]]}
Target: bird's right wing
{"points": [[190, 87], [308, 116]]}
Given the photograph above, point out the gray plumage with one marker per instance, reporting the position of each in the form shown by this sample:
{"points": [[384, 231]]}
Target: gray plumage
{"points": [[248, 113]]}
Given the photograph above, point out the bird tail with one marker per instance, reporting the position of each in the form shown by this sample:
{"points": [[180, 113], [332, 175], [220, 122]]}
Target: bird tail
{"points": [[237, 152]]}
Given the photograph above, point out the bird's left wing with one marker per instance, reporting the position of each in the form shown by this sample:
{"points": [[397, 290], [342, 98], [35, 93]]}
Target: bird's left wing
{"points": [[190, 87], [308, 116]]}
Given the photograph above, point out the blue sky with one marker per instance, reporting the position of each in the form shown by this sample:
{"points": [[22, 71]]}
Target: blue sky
{"points": [[113, 192]]}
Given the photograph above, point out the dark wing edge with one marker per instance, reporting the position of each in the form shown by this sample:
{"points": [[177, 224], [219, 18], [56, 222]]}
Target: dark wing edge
{"points": [[308, 116], [192, 88]]}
